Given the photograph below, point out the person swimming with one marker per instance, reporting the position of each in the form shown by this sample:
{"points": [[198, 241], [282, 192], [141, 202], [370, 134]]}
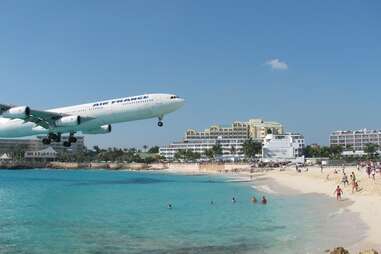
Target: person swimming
{"points": [[234, 200], [212, 202], [264, 200], [170, 206], [254, 199]]}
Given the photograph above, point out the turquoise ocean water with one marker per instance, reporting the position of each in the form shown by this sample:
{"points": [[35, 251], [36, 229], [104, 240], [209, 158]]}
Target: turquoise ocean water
{"points": [[46, 211]]}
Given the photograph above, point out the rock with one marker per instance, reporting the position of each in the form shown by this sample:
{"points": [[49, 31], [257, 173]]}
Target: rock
{"points": [[339, 250], [371, 251]]}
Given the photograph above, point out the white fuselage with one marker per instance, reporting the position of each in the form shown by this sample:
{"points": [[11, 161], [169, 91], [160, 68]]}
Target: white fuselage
{"points": [[100, 113]]}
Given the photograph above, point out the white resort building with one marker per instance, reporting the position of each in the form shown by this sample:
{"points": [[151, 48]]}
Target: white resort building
{"points": [[355, 140], [231, 148], [45, 154], [283, 148]]}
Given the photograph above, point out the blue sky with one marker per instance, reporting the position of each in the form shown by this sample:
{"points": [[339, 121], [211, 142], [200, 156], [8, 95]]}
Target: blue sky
{"points": [[325, 73]]}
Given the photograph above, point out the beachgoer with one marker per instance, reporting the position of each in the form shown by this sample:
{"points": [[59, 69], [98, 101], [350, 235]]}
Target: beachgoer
{"points": [[374, 174], [358, 167], [368, 171], [344, 180], [338, 192], [254, 199], [356, 186], [264, 200], [321, 167], [169, 206], [234, 200], [212, 202]]}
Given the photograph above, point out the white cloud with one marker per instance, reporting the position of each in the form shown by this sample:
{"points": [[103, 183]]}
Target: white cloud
{"points": [[277, 64]]}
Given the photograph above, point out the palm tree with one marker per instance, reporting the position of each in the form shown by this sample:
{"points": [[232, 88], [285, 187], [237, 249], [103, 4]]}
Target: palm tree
{"points": [[371, 150], [232, 150], [251, 148]]}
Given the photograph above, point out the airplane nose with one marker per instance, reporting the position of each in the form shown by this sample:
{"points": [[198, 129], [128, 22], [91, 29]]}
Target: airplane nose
{"points": [[181, 102]]}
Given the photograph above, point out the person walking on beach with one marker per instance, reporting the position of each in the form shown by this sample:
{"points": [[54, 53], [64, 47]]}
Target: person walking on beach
{"points": [[344, 180], [338, 192], [374, 174], [368, 170], [321, 168], [354, 183]]}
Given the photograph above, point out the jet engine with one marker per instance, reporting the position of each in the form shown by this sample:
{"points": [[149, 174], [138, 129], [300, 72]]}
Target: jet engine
{"points": [[68, 121], [21, 112], [99, 130]]}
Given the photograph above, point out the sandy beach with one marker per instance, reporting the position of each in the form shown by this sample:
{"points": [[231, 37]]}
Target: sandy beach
{"points": [[366, 203]]}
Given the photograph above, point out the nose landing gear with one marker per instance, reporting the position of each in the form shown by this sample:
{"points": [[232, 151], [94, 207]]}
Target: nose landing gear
{"points": [[160, 123]]}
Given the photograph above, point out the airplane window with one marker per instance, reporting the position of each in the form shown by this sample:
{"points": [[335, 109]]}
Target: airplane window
{"points": [[105, 103], [145, 97], [139, 98], [119, 101], [133, 99], [112, 102]]}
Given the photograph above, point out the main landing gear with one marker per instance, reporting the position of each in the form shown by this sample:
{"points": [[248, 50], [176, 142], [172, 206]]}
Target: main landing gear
{"points": [[57, 138], [70, 140], [52, 137], [160, 123]]}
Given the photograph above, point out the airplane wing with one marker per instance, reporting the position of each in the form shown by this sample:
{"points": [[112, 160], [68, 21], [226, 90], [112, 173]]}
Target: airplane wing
{"points": [[45, 119]]}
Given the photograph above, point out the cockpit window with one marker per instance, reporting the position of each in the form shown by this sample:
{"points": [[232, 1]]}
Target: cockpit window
{"points": [[174, 97]]}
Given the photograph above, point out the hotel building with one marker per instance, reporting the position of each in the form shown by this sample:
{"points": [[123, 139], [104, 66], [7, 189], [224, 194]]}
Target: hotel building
{"points": [[355, 140], [254, 128], [231, 138]]}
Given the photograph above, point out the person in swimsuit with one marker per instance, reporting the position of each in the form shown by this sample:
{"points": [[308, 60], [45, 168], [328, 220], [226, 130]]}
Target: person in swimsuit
{"points": [[264, 200], [254, 199], [234, 200], [338, 192]]}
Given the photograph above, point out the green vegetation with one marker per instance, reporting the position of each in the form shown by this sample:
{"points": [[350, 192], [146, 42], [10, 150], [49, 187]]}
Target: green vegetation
{"points": [[251, 148], [111, 154], [371, 150], [335, 152], [187, 155]]}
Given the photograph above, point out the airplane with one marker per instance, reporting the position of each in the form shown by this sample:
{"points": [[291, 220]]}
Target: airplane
{"points": [[90, 118]]}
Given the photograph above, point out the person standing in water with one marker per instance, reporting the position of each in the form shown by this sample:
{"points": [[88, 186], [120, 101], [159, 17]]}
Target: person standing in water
{"points": [[254, 199], [264, 200], [338, 192]]}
